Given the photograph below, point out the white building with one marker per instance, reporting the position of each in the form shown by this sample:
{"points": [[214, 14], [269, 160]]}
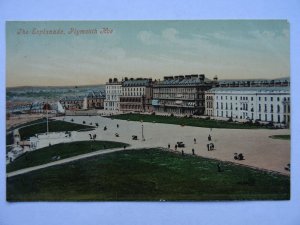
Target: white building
{"points": [[113, 90], [269, 104]]}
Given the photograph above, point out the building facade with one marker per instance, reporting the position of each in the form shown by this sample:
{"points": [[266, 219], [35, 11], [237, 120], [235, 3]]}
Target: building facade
{"points": [[136, 95], [95, 100], [73, 102], [181, 94], [113, 91], [268, 104]]}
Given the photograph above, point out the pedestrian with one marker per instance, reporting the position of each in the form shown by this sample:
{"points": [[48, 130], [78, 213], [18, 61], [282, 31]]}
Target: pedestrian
{"points": [[193, 151], [117, 125], [169, 146], [207, 147], [124, 147], [212, 146], [175, 147], [182, 152], [209, 137], [194, 140], [219, 167]]}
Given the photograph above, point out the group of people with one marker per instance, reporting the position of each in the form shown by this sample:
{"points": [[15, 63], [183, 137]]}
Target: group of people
{"points": [[93, 137], [210, 146]]}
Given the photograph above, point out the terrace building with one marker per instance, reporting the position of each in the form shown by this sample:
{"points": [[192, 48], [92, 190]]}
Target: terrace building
{"points": [[73, 102], [182, 94], [262, 103], [136, 95], [113, 91], [95, 100]]}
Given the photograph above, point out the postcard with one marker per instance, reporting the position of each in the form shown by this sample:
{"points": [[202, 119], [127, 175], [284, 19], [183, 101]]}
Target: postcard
{"points": [[192, 110]]}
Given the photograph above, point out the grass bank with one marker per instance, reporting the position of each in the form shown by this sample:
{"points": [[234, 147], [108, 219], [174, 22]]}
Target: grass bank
{"points": [[282, 137], [64, 150], [187, 121], [147, 175], [54, 126]]}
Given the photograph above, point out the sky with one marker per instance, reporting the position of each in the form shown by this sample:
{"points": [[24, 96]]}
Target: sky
{"points": [[230, 49]]}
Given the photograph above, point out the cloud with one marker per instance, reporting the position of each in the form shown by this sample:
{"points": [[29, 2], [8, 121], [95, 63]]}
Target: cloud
{"points": [[148, 37]]}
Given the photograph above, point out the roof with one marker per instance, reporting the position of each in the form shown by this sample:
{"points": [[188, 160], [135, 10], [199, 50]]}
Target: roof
{"points": [[184, 82], [96, 94], [136, 82], [72, 98], [283, 79], [250, 89]]}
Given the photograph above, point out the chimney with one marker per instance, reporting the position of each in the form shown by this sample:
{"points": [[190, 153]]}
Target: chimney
{"points": [[110, 80]]}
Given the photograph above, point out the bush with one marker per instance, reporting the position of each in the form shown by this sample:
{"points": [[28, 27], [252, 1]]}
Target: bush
{"points": [[230, 119], [172, 115]]}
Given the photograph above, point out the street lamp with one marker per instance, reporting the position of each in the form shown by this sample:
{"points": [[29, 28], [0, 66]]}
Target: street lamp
{"points": [[143, 138]]}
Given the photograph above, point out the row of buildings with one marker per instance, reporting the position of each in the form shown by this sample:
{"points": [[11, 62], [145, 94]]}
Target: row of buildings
{"points": [[92, 100], [261, 100]]}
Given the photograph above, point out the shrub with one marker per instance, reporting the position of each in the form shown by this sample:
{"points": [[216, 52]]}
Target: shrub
{"points": [[172, 115], [230, 119]]}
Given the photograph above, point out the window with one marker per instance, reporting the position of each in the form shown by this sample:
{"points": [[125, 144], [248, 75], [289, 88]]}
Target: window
{"points": [[278, 108], [271, 99], [251, 98], [266, 117], [235, 97], [265, 98], [278, 99], [259, 98], [259, 107], [271, 108]]}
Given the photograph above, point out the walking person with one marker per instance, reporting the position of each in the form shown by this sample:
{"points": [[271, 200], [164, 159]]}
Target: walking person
{"points": [[209, 137], [169, 146], [193, 151], [194, 140], [175, 147], [208, 148], [182, 152], [219, 167]]}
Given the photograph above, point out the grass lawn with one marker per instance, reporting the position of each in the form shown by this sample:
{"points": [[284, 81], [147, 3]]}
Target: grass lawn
{"points": [[54, 126], [282, 137], [147, 175], [41, 120], [64, 150], [196, 122]]}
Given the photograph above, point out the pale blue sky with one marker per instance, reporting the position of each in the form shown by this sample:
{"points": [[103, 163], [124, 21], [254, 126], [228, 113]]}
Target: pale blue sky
{"points": [[229, 49]]}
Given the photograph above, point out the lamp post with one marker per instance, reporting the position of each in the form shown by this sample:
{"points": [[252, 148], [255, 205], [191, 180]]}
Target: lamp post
{"points": [[143, 138]]}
